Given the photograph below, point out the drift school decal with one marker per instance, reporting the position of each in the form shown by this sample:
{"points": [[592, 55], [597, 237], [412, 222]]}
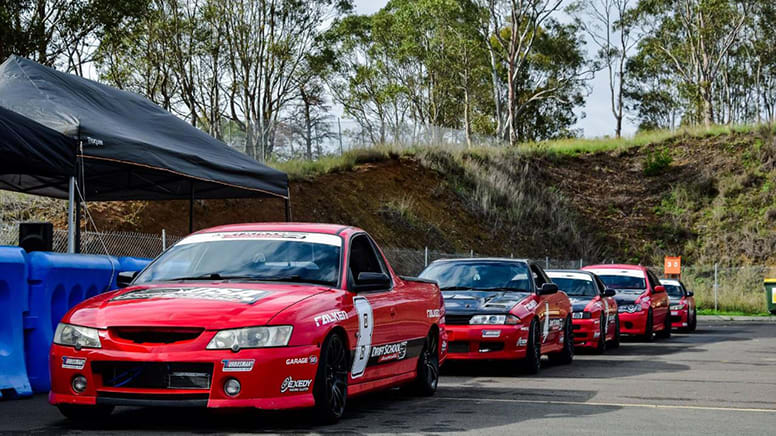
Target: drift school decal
{"points": [[395, 351], [236, 295]]}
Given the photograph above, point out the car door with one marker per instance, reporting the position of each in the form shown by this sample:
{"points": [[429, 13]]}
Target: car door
{"points": [[377, 346], [610, 305], [658, 301], [551, 321]]}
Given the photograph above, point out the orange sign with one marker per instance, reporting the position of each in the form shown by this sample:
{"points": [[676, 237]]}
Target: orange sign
{"points": [[673, 266]]}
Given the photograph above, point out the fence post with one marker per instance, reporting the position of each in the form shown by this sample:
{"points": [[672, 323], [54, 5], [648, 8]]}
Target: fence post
{"points": [[715, 287], [339, 129], [164, 239], [471, 253], [580, 263], [425, 261], [546, 262]]}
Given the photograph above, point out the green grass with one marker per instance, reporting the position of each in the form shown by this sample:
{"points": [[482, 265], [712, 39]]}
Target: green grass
{"points": [[731, 313]]}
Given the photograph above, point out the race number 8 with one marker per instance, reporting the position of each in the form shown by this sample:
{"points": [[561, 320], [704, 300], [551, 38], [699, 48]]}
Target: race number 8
{"points": [[364, 344]]}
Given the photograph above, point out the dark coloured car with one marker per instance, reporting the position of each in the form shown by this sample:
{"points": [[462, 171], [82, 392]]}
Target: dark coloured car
{"points": [[683, 315]]}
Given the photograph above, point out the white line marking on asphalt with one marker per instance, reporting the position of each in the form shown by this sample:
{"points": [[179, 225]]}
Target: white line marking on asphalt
{"points": [[580, 403]]}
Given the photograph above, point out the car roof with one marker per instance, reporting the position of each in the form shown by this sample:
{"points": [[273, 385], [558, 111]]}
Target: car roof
{"points": [[561, 271], [331, 229], [483, 259], [615, 266], [670, 282]]}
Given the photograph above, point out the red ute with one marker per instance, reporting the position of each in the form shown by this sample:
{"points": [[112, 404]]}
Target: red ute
{"points": [[595, 319], [642, 301], [503, 309], [269, 316]]}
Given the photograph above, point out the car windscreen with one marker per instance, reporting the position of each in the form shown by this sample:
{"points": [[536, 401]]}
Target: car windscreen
{"points": [[673, 291], [623, 282], [576, 287], [297, 257], [509, 276]]}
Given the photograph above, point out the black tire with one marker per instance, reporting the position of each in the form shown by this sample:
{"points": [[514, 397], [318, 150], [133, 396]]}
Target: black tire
{"points": [[85, 414], [615, 343], [425, 384], [565, 356], [601, 347], [694, 323], [331, 380], [649, 329], [532, 362], [666, 332]]}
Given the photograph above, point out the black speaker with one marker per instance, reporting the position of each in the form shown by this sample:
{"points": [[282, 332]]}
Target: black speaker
{"points": [[36, 236]]}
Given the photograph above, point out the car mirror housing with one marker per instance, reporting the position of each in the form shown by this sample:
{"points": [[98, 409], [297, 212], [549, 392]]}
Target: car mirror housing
{"points": [[609, 292], [660, 289], [371, 281], [690, 293], [125, 278], [548, 288]]}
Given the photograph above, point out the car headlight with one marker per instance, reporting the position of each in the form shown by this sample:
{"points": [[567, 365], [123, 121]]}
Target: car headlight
{"points": [[494, 319], [630, 308], [251, 337], [581, 315], [677, 307], [77, 336]]}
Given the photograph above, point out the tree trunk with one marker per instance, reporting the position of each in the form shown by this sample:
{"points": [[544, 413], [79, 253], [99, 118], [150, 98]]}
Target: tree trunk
{"points": [[707, 104]]}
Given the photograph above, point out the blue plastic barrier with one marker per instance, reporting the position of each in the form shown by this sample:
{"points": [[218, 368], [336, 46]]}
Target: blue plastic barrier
{"points": [[13, 303], [57, 282]]}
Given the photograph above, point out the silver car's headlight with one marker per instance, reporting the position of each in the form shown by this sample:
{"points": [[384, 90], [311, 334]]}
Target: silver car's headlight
{"points": [[494, 319], [77, 336], [251, 337]]}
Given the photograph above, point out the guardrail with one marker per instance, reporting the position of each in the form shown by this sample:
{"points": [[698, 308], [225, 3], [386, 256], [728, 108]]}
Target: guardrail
{"points": [[36, 291]]}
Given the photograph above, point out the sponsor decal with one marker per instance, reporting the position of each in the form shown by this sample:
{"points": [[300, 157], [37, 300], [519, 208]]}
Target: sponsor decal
{"points": [[94, 141], [556, 324], [330, 317], [432, 313], [531, 305], [301, 360], [238, 365], [73, 362], [491, 333], [522, 342], [384, 353], [247, 296], [444, 346], [291, 385], [313, 238]]}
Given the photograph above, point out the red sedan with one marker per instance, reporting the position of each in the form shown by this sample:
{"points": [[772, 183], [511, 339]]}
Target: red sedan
{"points": [[503, 309], [595, 319], [642, 301], [683, 316], [268, 316]]}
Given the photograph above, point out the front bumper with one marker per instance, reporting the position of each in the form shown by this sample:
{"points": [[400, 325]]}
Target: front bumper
{"points": [[484, 342], [586, 332], [278, 378], [680, 318], [633, 323]]}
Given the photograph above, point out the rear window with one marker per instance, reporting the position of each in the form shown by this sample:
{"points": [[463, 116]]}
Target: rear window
{"points": [[623, 282], [674, 291]]}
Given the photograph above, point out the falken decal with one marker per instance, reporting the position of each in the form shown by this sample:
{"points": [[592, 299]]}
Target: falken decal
{"points": [[244, 365], [236, 295], [73, 362], [330, 317], [291, 385], [531, 305]]}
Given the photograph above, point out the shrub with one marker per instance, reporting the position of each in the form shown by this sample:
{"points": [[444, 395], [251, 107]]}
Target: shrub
{"points": [[656, 162]]}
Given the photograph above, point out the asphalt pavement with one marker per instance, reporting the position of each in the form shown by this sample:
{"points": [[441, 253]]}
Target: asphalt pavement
{"points": [[720, 380]]}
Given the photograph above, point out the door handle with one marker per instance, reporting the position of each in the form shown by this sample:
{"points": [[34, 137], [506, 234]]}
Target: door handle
{"points": [[393, 312]]}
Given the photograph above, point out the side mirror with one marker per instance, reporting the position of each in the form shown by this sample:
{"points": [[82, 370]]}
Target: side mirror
{"points": [[660, 289], [690, 293], [609, 292], [548, 288], [372, 281], [125, 278]]}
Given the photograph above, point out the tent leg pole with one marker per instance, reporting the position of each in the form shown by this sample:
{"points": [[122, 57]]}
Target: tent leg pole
{"points": [[77, 223], [71, 216], [288, 210], [191, 211]]}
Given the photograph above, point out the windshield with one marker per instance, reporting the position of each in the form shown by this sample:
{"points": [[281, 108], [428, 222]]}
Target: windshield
{"points": [[292, 257], [512, 276], [576, 287], [673, 291], [622, 282]]}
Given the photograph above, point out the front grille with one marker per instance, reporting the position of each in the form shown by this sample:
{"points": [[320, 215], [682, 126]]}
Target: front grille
{"points": [[154, 375], [156, 400], [576, 327], [154, 335], [676, 318], [458, 347], [487, 347], [580, 335], [457, 319]]}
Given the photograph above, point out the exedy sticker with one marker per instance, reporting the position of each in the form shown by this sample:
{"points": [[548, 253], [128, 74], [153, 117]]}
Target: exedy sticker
{"points": [[247, 296], [330, 317], [73, 362], [291, 385]]}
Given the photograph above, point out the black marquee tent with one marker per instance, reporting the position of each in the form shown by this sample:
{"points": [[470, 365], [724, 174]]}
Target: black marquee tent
{"points": [[117, 144]]}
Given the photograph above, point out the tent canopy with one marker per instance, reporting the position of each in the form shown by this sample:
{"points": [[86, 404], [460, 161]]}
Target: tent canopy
{"points": [[130, 148]]}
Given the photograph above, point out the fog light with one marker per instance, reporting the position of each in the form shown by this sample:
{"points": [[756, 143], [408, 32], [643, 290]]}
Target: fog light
{"points": [[79, 384], [232, 387]]}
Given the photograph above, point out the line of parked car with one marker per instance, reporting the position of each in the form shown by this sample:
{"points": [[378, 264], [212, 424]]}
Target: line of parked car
{"points": [[283, 316]]}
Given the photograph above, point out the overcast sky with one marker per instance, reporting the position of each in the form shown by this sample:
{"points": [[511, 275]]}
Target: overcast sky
{"points": [[598, 119]]}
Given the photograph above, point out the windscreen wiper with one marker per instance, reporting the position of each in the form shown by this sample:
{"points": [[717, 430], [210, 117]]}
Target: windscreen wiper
{"points": [[210, 276], [292, 279], [500, 288], [456, 288]]}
